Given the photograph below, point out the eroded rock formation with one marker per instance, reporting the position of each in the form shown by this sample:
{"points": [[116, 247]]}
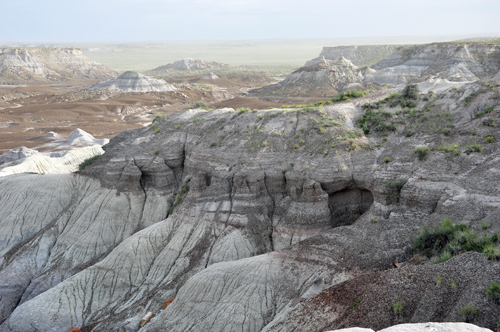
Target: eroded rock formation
{"points": [[249, 219], [334, 70], [131, 81], [32, 64]]}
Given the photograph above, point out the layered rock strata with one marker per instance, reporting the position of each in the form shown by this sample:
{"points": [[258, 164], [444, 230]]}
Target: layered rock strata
{"points": [[132, 81], [249, 217], [32, 64]]}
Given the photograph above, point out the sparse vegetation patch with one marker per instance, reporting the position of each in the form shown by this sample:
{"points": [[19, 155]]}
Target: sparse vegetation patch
{"points": [[447, 240], [87, 162]]}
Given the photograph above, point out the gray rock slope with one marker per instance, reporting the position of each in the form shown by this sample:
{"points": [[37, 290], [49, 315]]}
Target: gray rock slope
{"points": [[31, 64], [131, 81], [336, 70], [239, 215]]}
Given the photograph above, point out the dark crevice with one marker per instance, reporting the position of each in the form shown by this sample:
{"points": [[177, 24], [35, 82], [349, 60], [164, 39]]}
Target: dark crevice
{"points": [[271, 213], [230, 192], [348, 204]]}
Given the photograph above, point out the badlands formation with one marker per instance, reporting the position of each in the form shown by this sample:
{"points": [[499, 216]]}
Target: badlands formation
{"points": [[132, 81], [282, 219], [188, 64], [52, 64], [334, 71]]}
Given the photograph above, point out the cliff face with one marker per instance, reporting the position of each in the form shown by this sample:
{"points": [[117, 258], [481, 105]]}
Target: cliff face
{"points": [[458, 63], [32, 64], [241, 215], [359, 55], [188, 64], [328, 75]]}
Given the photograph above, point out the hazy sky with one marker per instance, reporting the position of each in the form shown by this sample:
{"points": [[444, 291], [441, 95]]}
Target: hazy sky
{"points": [[162, 20]]}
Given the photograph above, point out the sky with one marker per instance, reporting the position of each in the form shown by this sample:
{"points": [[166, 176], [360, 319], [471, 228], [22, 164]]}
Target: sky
{"points": [[164, 20]]}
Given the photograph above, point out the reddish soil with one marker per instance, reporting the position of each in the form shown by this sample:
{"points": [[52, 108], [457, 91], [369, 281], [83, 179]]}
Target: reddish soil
{"points": [[28, 112]]}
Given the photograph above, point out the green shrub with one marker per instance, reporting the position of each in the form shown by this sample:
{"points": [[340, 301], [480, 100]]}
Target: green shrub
{"points": [[296, 146], [485, 224], [346, 95], [156, 152], [493, 292], [446, 240], [179, 196], [410, 92], [398, 308], [489, 139], [373, 219], [198, 119], [475, 148], [446, 255], [491, 253], [468, 313], [201, 104], [446, 131], [87, 162], [157, 130], [387, 160], [421, 152], [242, 110], [486, 111], [469, 97], [453, 148]]}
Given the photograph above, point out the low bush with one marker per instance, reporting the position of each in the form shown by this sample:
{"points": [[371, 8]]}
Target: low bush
{"points": [[486, 111], [201, 104], [469, 97], [468, 313], [489, 139], [87, 162], [398, 308], [410, 92], [242, 110], [493, 292], [475, 148], [453, 148], [178, 198], [421, 152], [446, 240]]}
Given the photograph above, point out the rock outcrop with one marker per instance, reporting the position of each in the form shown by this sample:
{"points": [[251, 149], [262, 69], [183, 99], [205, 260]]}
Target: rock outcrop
{"points": [[359, 55], [188, 64], [65, 157], [449, 62], [34, 64], [320, 77], [250, 218], [131, 81]]}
